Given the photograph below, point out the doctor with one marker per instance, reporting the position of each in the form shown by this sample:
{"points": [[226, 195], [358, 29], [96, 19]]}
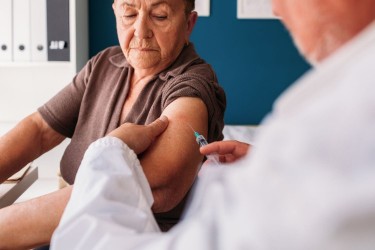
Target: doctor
{"points": [[309, 183]]}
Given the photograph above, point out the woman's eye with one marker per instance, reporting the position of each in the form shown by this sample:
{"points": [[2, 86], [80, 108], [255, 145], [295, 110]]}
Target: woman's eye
{"points": [[160, 17]]}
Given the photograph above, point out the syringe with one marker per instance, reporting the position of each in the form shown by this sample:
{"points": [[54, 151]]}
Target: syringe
{"points": [[200, 139], [212, 159]]}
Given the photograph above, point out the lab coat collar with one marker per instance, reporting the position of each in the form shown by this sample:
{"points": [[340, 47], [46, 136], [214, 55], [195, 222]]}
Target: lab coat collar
{"points": [[321, 78]]}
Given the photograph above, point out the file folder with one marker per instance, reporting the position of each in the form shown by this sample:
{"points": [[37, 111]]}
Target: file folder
{"points": [[6, 38], [58, 36], [38, 23], [10, 192], [21, 30]]}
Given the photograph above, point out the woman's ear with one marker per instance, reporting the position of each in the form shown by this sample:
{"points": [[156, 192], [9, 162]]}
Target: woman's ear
{"points": [[192, 19]]}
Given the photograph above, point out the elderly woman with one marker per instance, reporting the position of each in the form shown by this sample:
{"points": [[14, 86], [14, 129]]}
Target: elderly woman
{"points": [[155, 71]]}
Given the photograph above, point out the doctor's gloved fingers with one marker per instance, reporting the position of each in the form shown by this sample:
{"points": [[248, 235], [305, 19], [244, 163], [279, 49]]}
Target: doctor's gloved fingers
{"points": [[233, 148], [158, 126], [146, 135], [227, 158]]}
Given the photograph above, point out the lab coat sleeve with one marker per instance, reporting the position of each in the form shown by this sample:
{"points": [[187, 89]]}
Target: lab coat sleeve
{"points": [[110, 207], [111, 195]]}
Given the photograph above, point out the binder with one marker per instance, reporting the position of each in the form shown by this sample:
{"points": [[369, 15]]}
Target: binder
{"points": [[6, 43], [21, 30], [38, 23], [58, 36]]}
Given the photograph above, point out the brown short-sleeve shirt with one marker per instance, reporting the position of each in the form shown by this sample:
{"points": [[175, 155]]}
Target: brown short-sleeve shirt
{"points": [[90, 106]]}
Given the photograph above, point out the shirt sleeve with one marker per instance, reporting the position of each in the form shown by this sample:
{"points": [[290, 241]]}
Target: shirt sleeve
{"points": [[205, 88], [61, 111]]}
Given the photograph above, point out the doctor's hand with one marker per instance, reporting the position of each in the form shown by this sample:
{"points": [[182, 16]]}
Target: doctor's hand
{"points": [[140, 137], [228, 151]]}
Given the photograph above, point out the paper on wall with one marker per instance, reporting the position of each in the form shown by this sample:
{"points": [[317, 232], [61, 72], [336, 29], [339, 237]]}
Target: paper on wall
{"points": [[255, 9], [202, 7]]}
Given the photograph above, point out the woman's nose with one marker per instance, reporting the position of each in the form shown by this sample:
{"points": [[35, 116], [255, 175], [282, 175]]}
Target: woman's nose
{"points": [[142, 28]]}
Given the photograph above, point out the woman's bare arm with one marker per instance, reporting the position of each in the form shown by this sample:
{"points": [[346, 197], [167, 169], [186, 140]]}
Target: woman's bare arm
{"points": [[171, 163], [31, 223], [26, 224], [27, 141]]}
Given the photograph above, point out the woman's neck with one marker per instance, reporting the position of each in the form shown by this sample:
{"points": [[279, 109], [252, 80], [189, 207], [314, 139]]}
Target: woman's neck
{"points": [[138, 78]]}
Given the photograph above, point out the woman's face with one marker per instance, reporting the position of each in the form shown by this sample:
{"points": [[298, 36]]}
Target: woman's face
{"points": [[152, 33]]}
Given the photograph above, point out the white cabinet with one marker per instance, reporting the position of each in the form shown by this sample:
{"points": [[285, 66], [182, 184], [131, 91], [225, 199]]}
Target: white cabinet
{"points": [[24, 86]]}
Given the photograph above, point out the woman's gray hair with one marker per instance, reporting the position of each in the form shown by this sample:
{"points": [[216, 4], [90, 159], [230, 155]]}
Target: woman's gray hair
{"points": [[190, 6]]}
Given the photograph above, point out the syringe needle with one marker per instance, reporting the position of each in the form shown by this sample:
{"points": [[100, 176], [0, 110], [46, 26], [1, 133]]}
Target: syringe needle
{"points": [[212, 158]]}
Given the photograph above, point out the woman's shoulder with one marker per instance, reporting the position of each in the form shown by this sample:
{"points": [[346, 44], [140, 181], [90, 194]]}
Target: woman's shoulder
{"points": [[196, 69], [201, 68], [198, 72], [111, 55], [189, 63]]}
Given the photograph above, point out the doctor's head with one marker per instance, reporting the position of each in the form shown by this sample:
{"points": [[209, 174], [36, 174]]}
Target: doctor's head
{"points": [[152, 33], [320, 27]]}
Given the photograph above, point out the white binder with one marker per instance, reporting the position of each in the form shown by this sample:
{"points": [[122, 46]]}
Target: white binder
{"points": [[6, 43], [21, 30], [38, 22]]}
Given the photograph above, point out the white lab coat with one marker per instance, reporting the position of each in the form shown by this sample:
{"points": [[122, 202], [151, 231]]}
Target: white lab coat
{"points": [[309, 183]]}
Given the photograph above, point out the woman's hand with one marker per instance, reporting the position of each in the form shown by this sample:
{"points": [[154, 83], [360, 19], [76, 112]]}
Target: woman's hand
{"points": [[140, 137], [228, 151]]}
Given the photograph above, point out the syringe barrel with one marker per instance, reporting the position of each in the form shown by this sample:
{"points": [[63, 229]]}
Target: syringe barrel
{"points": [[201, 141], [213, 160]]}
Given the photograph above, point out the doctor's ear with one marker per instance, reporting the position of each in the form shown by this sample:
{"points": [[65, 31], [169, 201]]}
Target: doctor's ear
{"points": [[114, 5]]}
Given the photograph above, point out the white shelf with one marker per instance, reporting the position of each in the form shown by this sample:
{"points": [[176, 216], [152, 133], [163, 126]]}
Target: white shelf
{"points": [[25, 86]]}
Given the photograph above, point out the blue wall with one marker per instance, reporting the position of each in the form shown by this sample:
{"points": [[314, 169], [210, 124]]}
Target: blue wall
{"points": [[255, 60]]}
